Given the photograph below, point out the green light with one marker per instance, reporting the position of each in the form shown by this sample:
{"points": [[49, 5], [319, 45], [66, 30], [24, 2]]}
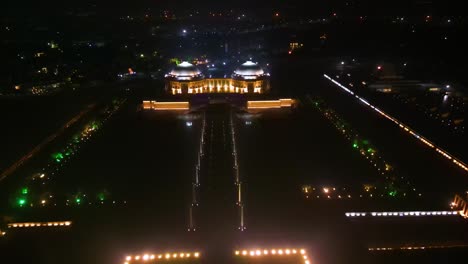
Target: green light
{"points": [[78, 200], [355, 145], [22, 202], [392, 193], [101, 197], [24, 191], [57, 156], [370, 150]]}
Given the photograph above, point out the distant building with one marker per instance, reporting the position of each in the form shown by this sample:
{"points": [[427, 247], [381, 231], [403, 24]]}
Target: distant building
{"points": [[400, 85], [248, 78]]}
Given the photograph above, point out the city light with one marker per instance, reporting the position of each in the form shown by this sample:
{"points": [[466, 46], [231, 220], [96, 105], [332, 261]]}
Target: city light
{"points": [[404, 127], [402, 214], [418, 247], [367, 151], [22, 202], [154, 105], [268, 104], [278, 253], [40, 224], [168, 256]]}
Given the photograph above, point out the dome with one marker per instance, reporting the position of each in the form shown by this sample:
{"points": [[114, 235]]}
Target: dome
{"points": [[249, 70], [185, 71]]}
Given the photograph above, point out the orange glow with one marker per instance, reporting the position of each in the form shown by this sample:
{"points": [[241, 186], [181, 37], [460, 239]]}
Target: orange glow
{"points": [[39, 224], [266, 104], [154, 105], [277, 253]]}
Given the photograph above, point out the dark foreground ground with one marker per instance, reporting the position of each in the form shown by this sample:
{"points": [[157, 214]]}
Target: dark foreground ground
{"points": [[146, 162]]}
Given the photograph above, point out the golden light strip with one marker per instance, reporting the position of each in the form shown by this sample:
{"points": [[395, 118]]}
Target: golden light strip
{"points": [[266, 104], [155, 105], [40, 224], [276, 252], [406, 128], [146, 257]]}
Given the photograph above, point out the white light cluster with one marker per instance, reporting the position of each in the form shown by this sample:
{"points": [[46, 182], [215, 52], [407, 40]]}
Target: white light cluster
{"points": [[161, 257], [399, 214], [279, 252], [427, 142], [39, 224]]}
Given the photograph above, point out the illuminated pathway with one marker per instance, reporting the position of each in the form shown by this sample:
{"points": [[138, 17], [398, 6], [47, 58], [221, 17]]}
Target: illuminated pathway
{"points": [[404, 127], [160, 257], [395, 185], [196, 179], [36, 190], [44, 143], [418, 247], [275, 253], [237, 180], [402, 214], [216, 213]]}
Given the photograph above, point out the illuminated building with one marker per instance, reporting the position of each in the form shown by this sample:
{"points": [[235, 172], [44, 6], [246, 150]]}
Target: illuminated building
{"points": [[248, 78], [460, 204], [295, 45]]}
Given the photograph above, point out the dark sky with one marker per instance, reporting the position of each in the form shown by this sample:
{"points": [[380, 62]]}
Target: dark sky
{"points": [[312, 6]]}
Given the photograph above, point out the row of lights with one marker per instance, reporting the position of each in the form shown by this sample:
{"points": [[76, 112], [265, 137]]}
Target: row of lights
{"points": [[237, 180], [60, 158], [312, 195], [417, 247], [266, 252], [196, 180], [403, 126], [165, 256], [408, 213], [274, 252], [39, 224], [366, 150]]}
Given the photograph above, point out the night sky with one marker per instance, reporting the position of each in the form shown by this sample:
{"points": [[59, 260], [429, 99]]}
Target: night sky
{"points": [[363, 6]]}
